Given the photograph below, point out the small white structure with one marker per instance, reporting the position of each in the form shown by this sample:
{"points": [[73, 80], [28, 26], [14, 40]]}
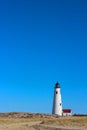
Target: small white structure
{"points": [[57, 103], [67, 112]]}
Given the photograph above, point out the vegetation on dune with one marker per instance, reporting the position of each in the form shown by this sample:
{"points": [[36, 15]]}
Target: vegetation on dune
{"points": [[67, 121], [16, 118]]}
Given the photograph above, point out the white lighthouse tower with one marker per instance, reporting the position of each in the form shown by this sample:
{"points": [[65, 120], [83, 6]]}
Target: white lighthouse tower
{"points": [[57, 103]]}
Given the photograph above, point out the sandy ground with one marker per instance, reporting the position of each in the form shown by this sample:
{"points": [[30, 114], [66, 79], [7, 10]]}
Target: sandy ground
{"points": [[36, 125], [19, 126], [26, 121]]}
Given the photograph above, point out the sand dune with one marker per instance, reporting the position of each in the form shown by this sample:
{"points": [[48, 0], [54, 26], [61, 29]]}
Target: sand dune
{"points": [[28, 121], [36, 126], [19, 126]]}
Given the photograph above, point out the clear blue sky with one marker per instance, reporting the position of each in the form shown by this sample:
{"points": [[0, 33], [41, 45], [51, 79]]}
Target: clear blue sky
{"points": [[42, 42]]}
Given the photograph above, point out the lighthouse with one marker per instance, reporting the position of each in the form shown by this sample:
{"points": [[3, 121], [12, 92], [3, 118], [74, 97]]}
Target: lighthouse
{"points": [[57, 102]]}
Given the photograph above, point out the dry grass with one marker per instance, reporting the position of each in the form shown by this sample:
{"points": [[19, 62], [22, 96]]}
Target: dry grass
{"points": [[6, 120], [7, 123], [67, 121]]}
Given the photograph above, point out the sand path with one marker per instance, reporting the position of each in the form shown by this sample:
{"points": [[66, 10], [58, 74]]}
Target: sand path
{"points": [[61, 127], [36, 125], [19, 126]]}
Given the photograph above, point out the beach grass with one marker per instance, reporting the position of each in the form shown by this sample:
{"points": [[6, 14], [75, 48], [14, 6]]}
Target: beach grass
{"points": [[67, 121], [64, 121]]}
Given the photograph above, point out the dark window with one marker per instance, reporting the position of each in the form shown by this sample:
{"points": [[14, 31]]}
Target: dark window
{"points": [[60, 104], [56, 92]]}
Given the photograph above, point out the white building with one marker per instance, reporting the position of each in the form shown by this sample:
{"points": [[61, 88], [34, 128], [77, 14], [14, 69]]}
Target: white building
{"points": [[57, 103], [67, 112]]}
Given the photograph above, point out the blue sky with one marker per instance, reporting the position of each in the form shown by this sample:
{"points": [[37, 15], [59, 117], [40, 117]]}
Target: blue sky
{"points": [[42, 42]]}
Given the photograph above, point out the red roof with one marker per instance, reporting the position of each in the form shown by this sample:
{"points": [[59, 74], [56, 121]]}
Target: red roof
{"points": [[66, 110]]}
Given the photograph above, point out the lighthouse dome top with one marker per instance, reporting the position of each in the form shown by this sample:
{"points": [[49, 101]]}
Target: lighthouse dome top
{"points": [[57, 85]]}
